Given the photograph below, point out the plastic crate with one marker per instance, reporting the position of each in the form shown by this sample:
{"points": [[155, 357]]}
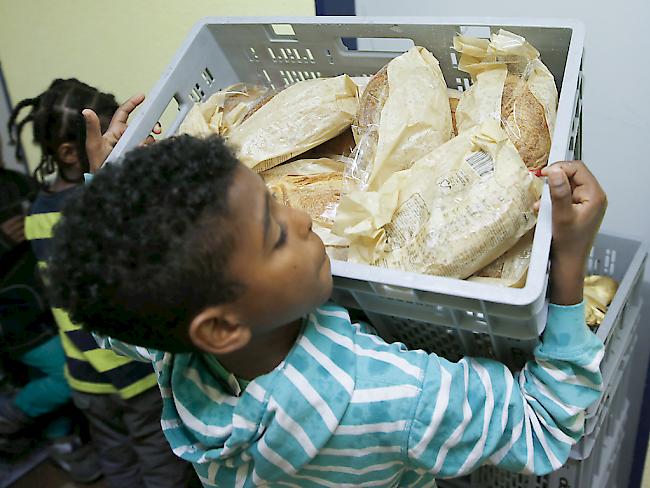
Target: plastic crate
{"points": [[281, 51], [614, 404], [445, 333]]}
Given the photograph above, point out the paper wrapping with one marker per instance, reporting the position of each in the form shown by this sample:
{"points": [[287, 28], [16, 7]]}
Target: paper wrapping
{"points": [[452, 213], [224, 110], [599, 291], [194, 124], [510, 269], [512, 85], [295, 120], [404, 115], [228, 108]]}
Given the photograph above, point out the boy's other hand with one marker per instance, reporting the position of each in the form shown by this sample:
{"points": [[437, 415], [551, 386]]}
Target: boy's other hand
{"points": [[579, 205], [98, 145]]}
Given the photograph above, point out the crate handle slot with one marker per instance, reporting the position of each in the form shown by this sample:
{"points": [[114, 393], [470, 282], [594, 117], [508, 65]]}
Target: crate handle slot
{"points": [[481, 31], [378, 44]]}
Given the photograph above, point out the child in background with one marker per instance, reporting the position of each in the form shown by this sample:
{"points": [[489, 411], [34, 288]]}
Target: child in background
{"points": [[182, 251], [117, 395], [28, 337]]}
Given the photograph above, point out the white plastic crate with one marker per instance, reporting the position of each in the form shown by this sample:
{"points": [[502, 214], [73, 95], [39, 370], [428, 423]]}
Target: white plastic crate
{"points": [[280, 51], [445, 333]]}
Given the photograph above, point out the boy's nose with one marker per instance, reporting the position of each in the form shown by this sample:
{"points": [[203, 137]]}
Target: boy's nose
{"points": [[304, 223]]}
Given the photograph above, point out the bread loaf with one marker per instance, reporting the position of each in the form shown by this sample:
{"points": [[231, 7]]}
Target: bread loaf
{"points": [[510, 83], [403, 114], [297, 119]]}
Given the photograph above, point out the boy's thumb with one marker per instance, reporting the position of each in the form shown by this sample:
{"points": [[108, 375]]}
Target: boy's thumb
{"points": [[560, 189]]}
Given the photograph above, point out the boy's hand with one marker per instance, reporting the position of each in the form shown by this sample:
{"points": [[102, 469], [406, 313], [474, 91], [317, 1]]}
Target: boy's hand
{"points": [[99, 146], [579, 205]]}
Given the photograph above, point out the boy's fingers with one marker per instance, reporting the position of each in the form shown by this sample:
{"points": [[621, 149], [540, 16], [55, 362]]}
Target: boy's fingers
{"points": [[576, 171], [147, 141], [157, 129], [122, 113]]}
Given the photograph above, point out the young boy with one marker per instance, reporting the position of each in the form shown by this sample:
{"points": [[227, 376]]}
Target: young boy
{"points": [[182, 251]]}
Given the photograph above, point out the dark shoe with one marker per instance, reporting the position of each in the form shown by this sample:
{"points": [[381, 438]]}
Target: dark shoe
{"points": [[12, 419], [79, 461]]}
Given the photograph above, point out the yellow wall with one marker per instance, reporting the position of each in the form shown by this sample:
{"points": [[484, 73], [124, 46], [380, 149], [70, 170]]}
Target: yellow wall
{"points": [[120, 46]]}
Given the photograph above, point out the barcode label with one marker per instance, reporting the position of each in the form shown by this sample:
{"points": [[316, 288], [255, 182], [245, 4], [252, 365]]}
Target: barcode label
{"points": [[481, 162]]}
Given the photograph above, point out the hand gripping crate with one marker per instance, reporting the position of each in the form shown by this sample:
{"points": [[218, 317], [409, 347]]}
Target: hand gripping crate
{"points": [[281, 51]]}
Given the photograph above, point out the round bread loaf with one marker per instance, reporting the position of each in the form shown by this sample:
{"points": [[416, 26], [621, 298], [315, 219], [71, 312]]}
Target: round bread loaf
{"points": [[524, 120], [371, 103]]}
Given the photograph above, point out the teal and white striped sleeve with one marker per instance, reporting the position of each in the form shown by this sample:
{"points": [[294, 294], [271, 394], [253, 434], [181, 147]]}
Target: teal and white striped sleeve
{"points": [[136, 353], [477, 412]]}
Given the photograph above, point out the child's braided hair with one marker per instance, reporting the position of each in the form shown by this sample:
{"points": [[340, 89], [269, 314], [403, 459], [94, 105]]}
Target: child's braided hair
{"points": [[56, 118]]}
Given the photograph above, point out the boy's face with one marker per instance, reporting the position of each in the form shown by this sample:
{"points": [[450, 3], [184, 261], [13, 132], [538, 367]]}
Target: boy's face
{"points": [[280, 262]]}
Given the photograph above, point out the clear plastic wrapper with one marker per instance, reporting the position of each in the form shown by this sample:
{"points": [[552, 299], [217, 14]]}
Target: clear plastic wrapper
{"points": [[315, 186], [224, 110], [403, 114], [512, 85], [510, 269], [297, 119], [452, 213], [599, 292]]}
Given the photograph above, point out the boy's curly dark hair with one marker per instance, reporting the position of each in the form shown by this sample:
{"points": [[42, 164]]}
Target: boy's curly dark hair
{"points": [[145, 246]]}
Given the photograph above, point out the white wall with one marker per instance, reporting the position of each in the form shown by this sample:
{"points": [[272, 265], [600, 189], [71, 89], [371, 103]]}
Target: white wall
{"points": [[616, 132]]}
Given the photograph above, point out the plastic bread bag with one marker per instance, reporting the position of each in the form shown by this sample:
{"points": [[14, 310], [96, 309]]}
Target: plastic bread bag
{"points": [[224, 110], [315, 186], [511, 84], [599, 291], [510, 269], [403, 115], [452, 213], [299, 118]]}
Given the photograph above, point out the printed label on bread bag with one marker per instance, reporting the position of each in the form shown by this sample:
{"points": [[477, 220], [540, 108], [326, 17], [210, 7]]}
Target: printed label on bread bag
{"points": [[408, 221], [481, 162]]}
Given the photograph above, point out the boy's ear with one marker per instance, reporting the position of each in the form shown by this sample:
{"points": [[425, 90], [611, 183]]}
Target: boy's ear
{"points": [[217, 332], [66, 153]]}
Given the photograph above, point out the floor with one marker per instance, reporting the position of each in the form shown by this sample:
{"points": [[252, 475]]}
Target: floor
{"points": [[46, 474]]}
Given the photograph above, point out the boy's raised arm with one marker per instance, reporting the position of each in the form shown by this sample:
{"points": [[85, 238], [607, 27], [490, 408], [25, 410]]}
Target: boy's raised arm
{"points": [[477, 412]]}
